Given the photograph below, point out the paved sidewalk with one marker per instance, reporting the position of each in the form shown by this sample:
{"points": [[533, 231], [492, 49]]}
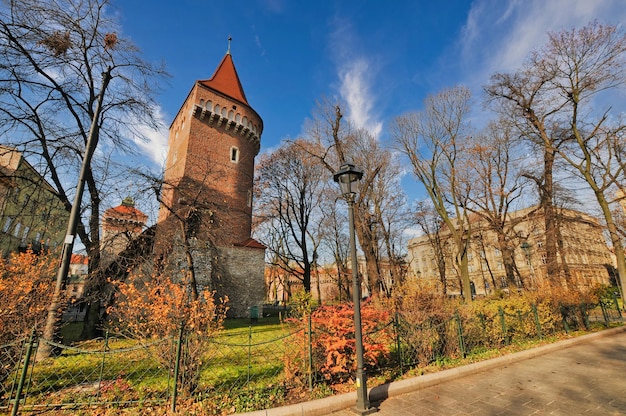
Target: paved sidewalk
{"points": [[579, 376], [584, 379]]}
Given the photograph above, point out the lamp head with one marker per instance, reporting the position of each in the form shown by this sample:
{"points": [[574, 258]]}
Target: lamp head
{"points": [[346, 176]]}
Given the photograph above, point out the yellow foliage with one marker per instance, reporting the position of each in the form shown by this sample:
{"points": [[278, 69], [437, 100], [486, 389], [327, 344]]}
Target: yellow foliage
{"points": [[157, 306], [26, 288]]}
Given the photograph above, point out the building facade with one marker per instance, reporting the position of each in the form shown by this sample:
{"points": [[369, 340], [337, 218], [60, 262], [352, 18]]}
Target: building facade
{"points": [[584, 256], [31, 213], [206, 198]]}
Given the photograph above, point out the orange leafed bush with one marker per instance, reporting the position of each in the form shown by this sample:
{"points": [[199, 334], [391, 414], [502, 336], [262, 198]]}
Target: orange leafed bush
{"points": [[153, 307], [156, 306], [333, 341], [26, 288]]}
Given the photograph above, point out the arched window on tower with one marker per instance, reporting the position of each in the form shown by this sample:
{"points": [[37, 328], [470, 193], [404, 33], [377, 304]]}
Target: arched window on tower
{"points": [[234, 154]]}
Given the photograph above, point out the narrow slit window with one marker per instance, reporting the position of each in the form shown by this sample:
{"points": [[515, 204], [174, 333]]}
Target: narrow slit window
{"points": [[234, 154]]}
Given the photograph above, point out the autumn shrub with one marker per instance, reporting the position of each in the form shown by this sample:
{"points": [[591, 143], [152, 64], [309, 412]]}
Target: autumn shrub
{"points": [[483, 324], [333, 342], [26, 288], [301, 304], [425, 323], [566, 304], [157, 307]]}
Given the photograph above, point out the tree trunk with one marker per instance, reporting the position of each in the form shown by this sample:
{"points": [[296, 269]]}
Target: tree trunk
{"points": [[615, 239], [369, 252], [546, 194]]}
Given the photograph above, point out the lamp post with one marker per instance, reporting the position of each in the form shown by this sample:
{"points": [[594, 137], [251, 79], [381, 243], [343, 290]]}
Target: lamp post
{"points": [[346, 176]]}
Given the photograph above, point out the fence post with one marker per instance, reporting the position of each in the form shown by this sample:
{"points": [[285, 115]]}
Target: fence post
{"points": [[310, 353], [249, 354], [537, 323], [105, 348], [179, 349], [396, 324], [459, 330], [20, 385], [616, 303], [605, 314], [503, 325]]}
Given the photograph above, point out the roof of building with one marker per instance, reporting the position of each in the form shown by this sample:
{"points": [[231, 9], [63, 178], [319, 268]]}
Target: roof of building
{"points": [[226, 81], [250, 243], [126, 210], [79, 259]]}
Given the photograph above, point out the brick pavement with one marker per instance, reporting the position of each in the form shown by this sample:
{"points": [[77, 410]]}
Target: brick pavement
{"points": [[584, 379]]}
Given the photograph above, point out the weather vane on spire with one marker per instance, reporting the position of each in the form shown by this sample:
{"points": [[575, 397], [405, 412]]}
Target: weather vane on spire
{"points": [[230, 38]]}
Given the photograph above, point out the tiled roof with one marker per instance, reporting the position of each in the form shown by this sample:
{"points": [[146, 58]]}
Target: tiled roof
{"points": [[226, 80], [126, 211], [251, 243], [78, 259]]}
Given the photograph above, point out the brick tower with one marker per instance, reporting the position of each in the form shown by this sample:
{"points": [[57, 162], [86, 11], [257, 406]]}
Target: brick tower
{"points": [[120, 225], [207, 186]]}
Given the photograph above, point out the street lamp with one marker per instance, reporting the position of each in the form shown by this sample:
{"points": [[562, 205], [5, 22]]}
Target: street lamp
{"points": [[346, 177]]}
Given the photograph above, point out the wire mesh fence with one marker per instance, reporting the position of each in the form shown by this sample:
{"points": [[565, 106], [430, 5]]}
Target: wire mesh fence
{"points": [[251, 368]]}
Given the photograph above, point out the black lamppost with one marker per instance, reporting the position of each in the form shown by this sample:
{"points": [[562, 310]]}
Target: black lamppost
{"points": [[346, 176]]}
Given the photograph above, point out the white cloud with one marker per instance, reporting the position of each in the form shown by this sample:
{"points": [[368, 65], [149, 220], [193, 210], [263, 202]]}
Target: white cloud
{"points": [[356, 75], [356, 91], [498, 35], [153, 143]]}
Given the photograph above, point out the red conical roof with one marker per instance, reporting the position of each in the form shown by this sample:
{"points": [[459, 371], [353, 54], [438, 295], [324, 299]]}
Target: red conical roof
{"points": [[226, 80]]}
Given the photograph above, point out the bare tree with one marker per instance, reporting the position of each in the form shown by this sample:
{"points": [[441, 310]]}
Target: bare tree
{"points": [[433, 141], [289, 186], [379, 217], [497, 185], [554, 94], [431, 225], [386, 207], [53, 56], [335, 241]]}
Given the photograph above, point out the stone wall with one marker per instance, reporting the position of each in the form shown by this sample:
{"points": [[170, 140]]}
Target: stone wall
{"points": [[242, 278]]}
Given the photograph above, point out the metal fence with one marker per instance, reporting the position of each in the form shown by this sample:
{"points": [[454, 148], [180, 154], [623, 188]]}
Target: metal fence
{"points": [[245, 369]]}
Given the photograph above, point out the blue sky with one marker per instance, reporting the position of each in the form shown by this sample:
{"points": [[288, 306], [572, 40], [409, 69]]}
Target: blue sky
{"points": [[382, 58]]}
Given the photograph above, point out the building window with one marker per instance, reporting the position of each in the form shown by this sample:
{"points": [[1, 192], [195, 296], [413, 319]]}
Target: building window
{"points": [[25, 233], [16, 231], [249, 198], [234, 154], [7, 225]]}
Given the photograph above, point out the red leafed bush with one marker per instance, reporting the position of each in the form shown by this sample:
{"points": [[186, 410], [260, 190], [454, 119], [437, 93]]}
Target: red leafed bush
{"points": [[333, 342]]}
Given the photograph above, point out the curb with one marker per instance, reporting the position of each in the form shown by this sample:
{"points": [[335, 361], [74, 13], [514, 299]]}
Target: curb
{"points": [[321, 407]]}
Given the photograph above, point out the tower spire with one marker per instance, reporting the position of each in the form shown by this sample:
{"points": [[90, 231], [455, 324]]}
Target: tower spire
{"points": [[230, 38]]}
